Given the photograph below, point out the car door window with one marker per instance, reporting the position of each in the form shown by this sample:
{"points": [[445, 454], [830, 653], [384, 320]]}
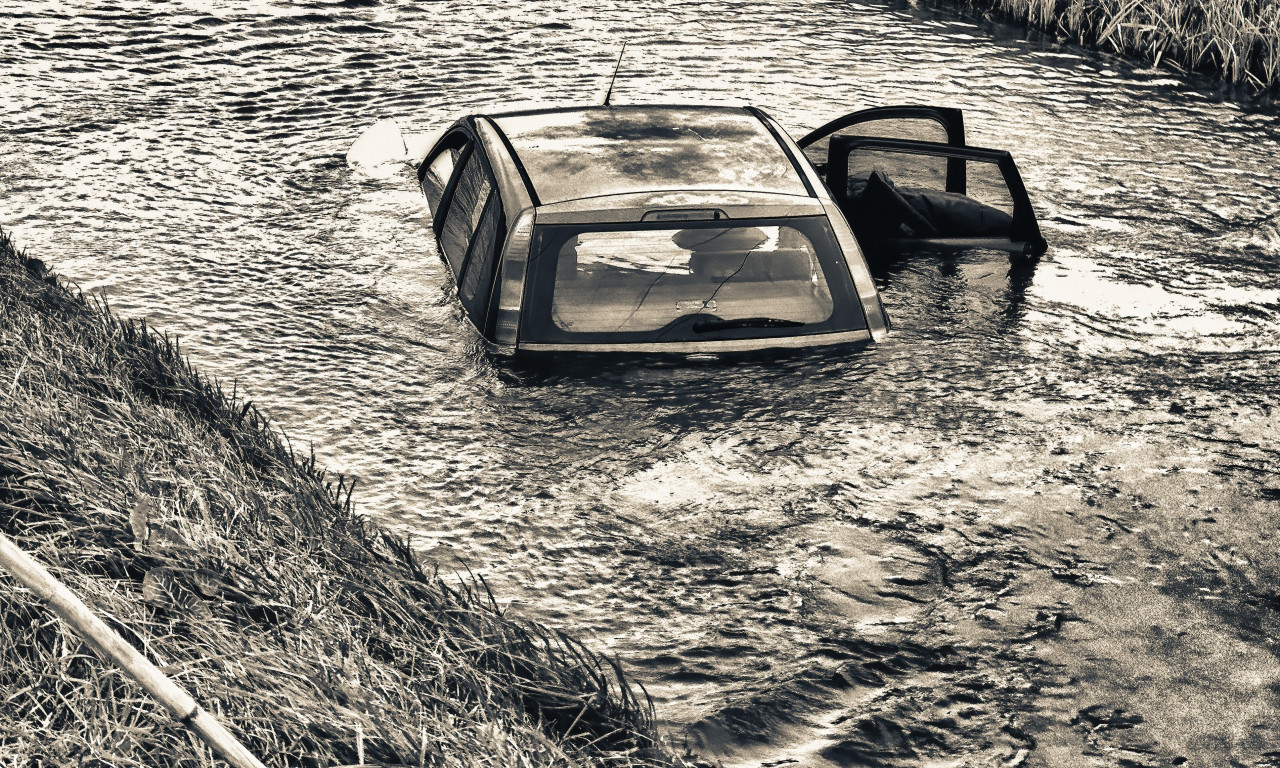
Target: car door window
{"points": [[436, 177], [942, 125], [920, 171], [435, 172], [476, 284], [894, 190], [988, 186], [465, 207], [911, 128]]}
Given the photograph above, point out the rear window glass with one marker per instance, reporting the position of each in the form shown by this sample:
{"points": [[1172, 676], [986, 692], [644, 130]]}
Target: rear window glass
{"points": [[693, 283]]}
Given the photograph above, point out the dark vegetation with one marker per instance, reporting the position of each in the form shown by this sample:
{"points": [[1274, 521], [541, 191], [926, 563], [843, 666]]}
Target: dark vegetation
{"points": [[1238, 40], [187, 521]]}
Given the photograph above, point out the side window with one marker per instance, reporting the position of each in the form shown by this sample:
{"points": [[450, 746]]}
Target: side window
{"points": [[912, 128], [466, 205], [476, 284], [436, 177], [940, 125]]}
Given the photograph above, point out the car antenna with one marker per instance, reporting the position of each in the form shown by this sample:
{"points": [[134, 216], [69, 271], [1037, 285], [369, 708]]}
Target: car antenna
{"points": [[616, 67]]}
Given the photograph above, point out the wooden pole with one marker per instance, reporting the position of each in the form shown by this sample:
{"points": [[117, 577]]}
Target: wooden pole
{"points": [[112, 647]]}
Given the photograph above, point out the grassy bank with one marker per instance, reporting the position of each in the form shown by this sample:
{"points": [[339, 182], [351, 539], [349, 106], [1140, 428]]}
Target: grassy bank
{"points": [[186, 520], [1236, 39]]}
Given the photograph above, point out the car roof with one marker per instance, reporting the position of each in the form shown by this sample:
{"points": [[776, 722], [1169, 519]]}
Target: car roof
{"points": [[581, 152]]}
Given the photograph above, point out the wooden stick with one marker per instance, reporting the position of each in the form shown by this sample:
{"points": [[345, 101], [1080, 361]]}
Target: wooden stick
{"points": [[112, 647]]}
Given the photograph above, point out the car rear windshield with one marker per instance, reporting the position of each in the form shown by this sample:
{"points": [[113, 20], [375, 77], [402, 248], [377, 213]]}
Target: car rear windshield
{"points": [[688, 282]]}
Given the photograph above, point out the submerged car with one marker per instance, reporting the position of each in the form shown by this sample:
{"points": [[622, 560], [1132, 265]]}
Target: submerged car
{"points": [[653, 229]]}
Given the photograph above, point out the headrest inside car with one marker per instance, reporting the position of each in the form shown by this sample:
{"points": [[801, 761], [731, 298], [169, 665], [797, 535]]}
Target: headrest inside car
{"points": [[719, 240]]}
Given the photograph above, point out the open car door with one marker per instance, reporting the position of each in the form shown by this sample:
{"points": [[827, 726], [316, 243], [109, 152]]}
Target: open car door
{"points": [[905, 180]]}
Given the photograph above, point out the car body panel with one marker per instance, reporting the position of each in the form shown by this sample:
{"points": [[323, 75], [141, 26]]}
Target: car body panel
{"points": [[697, 205], [719, 346], [812, 179], [571, 154], [511, 184]]}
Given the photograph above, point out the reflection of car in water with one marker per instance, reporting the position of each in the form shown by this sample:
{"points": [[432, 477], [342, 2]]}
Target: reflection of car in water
{"points": [[698, 229]]}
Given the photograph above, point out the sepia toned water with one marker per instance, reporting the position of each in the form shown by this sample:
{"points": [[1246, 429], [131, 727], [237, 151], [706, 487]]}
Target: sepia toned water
{"points": [[1036, 526]]}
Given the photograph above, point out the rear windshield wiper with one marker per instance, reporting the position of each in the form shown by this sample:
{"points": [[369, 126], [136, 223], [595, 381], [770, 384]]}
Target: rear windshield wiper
{"points": [[707, 326]]}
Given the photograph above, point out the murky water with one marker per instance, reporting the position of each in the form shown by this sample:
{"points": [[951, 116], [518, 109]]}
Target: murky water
{"points": [[1037, 525]]}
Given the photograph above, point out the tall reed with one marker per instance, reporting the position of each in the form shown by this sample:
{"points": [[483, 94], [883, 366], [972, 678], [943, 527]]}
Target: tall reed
{"points": [[1236, 39]]}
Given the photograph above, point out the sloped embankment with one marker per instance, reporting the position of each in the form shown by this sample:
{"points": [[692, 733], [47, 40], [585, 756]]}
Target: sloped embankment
{"points": [[187, 521]]}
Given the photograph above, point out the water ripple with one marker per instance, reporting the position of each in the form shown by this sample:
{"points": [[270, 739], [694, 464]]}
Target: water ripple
{"points": [[184, 160]]}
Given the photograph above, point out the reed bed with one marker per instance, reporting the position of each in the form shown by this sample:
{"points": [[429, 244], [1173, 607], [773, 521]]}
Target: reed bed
{"points": [[1238, 40], [186, 520]]}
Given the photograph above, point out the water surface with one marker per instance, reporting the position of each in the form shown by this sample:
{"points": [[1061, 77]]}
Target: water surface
{"points": [[1035, 525]]}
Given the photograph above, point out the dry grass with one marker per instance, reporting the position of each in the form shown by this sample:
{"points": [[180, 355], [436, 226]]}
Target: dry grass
{"points": [[187, 521], [1237, 39]]}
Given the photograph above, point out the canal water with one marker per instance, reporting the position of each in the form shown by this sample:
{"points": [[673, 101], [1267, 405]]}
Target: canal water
{"points": [[1036, 526]]}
